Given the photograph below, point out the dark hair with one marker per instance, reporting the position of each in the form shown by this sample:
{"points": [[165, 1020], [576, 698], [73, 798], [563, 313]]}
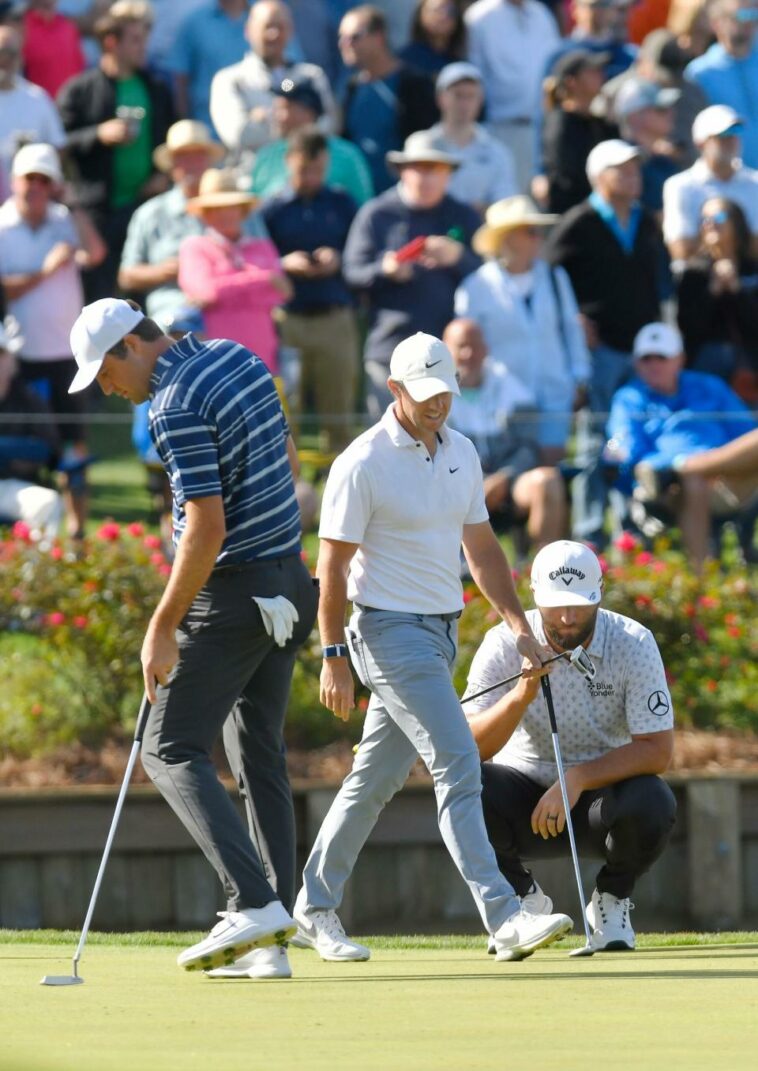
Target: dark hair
{"points": [[110, 25], [738, 220], [376, 21], [456, 45], [147, 329], [309, 141]]}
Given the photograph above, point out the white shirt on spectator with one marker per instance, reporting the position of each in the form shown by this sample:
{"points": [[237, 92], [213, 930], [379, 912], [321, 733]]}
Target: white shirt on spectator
{"points": [[511, 43], [685, 194], [628, 697], [27, 113], [486, 174], [488, 408]]}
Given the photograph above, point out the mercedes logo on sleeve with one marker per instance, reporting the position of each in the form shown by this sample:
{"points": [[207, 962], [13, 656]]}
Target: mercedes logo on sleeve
{"points": [[658, 704]]}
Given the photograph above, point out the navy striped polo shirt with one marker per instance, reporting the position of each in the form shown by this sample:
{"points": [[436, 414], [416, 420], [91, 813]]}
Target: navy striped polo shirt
{"points": [[219, 429]]}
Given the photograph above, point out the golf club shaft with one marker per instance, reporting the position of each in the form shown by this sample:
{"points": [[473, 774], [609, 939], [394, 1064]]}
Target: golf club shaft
{"points": [[511, 679]]}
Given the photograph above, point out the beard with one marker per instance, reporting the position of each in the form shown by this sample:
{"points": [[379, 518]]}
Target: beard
{"points": [[566, 639]]}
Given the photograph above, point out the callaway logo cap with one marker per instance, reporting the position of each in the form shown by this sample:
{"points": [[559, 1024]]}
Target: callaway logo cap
{"points": [[425, 367], [98, 328], [565, 573]]}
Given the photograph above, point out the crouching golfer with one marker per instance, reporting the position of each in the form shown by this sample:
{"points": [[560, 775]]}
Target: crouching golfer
{"points": [[616, 735], [396, 506], [220, 647]]}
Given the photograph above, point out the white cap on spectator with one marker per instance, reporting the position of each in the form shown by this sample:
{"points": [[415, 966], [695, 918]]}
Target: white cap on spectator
{"points": [[38, 159], [637, 94], [714, 121], [658, 338], [565, 573], [612, 153], [425, 367], [453, 73], [98, 328]]}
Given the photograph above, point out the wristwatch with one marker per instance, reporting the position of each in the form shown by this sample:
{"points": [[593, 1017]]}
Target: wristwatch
{"points": [[334, 650]]}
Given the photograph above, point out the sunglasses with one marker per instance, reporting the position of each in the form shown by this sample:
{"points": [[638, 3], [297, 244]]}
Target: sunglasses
{"points": [[715, 219]]}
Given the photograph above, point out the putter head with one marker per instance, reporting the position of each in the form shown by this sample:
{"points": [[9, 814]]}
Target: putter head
{"points": [[585, 950], [62, 979], [582, 662]]}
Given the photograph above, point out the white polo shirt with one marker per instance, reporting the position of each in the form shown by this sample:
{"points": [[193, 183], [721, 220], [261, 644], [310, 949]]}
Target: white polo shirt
{"points": [[685, 194], [629, 695], [407, 511], [486, 173]]}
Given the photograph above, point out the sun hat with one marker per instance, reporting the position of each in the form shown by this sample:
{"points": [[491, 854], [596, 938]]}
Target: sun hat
{"points": [[658, 338], [301, 91], [504, 216], [453, 73], [186, 134], [37, 159], [565, 573], [98, 328], [636, 94], [714, 122], [423, 147], [219, 189], [425, 367], [611, 153]]}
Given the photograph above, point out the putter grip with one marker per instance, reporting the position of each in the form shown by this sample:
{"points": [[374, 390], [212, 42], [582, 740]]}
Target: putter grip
{"points": [[142, 717], [548, 694]]}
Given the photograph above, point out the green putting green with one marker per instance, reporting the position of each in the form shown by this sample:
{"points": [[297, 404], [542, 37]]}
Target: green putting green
{"points": [[420, 1004]]}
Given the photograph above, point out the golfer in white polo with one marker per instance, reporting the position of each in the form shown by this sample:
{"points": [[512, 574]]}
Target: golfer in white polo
{"points": [[398, 504]]}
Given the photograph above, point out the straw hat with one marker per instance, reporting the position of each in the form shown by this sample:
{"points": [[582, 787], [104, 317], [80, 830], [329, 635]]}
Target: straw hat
{"points": [[504, 216], [186, 134], [218, 189]]}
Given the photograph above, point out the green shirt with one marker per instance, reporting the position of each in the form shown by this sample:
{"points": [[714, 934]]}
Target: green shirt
{"points": [[132, 163], [347, 170]]}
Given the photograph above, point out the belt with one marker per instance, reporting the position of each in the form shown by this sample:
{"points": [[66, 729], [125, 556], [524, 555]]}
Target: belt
{"points": [[256, 563], [377, 610]]}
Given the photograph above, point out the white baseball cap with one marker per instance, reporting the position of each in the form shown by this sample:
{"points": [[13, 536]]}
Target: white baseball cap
{"points": [[714, 121], [611, 153], [37, 159], [565, 573], [658, 338], [425, 367], [98, 328], [453, 73]]}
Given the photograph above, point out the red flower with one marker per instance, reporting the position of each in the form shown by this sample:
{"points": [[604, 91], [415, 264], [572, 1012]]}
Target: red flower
{"points": [[35, 710], [109, 532], [363, 704], [734, 630], [731, 619], [688, 610], [467, 596], [642, 601], [708, 602], [135, 529], [20, 530], [90, 585], [80, 621], [700, 633], [626, 543], [658, 566], [152, 542], [56, 553], [165, 569], [711, 685], [643, 558], [603, 564], [157, 558], [55, 618]]}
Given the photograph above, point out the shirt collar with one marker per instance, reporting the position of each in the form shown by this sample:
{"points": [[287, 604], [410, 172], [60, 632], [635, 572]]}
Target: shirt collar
{"points": [[397, 433], [168, 359], [701, 171]]}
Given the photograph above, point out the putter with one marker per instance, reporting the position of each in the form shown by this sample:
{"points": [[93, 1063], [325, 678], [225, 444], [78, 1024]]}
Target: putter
{"points": [[587, 949], [74, 978], [578, 658]]}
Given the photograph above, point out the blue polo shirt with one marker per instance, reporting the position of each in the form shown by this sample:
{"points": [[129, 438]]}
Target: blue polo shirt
{"points": [[726, 80], [218, 426]]}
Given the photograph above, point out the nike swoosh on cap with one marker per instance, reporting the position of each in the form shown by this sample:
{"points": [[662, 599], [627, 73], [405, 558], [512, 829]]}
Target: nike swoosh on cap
{"points": [[428, 365]]}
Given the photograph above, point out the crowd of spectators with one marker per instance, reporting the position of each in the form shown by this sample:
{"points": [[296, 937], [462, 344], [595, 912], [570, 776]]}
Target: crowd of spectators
{"points": [[553, 186]]}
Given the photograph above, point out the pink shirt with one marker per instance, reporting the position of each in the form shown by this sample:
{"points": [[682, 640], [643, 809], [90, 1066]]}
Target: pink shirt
{"points": [[230, 280], [52, 50]]}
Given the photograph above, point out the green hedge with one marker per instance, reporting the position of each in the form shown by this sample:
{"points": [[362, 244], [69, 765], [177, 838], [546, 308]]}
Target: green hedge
{"points": [[72, 622]]}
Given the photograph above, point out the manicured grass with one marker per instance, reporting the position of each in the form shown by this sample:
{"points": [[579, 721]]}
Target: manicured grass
{"points": [[419, 1004]]}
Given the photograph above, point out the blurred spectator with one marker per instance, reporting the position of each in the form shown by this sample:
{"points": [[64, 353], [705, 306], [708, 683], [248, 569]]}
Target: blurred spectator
{"points": [[646, 119], [611, 248], [150, 259], [42, 247], [486, 173], [237, 281], [168, 17], [115, 115], [599, 26], [736, 462], [407, 251], [438, 36], [571, 130], [510, 41], [297, 105], [84, 14], [26, 112], [728, 72], [661, 60], [209, 38], [661, 417], [29, 448], [386, 100], [242, 95], [529, 318], [689, 21], [516, 486], [717, 300], [52, 50], [309, 227], [315, 35], [718, 173]]}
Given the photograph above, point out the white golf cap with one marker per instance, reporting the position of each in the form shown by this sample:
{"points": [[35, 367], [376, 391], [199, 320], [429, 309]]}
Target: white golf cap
{"points": [[425, 367], [98, 328], [453, 73], [658, 338], [37, 159], [565, 573], [715, 121], [612, 153]]}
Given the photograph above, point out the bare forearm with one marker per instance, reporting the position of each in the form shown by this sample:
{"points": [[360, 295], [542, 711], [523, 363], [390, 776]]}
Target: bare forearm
{"points": [[491, 572], [332, 601], [638, 757], [493, 728], [15, 286], [195, 557], [142, 277]]}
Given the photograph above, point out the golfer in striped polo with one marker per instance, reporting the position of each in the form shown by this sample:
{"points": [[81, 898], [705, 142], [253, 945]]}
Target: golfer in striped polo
{"points": [[220, 647]]}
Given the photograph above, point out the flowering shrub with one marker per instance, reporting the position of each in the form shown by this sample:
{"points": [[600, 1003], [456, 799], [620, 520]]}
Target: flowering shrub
{"points": [[71, 629]]}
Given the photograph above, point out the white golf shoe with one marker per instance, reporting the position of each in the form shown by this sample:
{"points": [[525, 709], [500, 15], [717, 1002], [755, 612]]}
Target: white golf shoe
{"points": [[523, 933], [538, 903], [271, 962], [237, 933], [323, 932], [609, 921]]}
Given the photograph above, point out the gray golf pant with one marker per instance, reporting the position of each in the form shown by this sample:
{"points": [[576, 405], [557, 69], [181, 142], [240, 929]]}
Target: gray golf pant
{"points": [[232, 675], [405, 659]]}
